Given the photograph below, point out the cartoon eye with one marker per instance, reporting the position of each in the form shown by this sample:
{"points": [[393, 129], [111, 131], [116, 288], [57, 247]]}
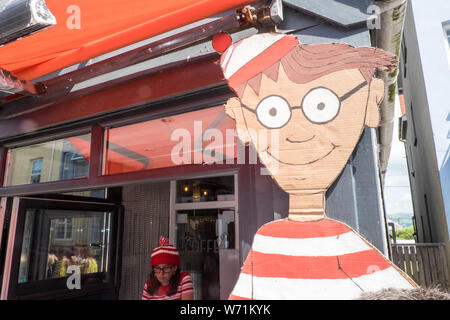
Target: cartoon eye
{"points": [[320, 105], [273, 112]]}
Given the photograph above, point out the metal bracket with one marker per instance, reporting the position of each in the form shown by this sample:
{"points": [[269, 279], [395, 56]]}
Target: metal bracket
{"points": [[264, 16], [12, 84]]}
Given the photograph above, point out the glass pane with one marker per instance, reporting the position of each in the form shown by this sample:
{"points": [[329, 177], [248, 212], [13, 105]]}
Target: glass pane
{"points": [[49, 161], [171, 141], [205, 189], [96, 193], [56, 239], [200, 236]]}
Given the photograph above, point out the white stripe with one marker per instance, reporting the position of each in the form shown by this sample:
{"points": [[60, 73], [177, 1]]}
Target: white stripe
{"points": [[227, 56], [248, 49], [312, 247], [164, 251], [317, 289]]}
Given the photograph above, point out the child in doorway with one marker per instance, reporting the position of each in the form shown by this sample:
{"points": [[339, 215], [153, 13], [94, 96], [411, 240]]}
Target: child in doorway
{"points": [[167, 282]]}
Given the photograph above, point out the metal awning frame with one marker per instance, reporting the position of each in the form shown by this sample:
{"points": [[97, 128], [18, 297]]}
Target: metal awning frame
{"points": [[58, 89]]}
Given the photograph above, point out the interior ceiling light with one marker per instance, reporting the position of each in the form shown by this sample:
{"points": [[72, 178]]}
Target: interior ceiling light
{"points": [[20, 18]]}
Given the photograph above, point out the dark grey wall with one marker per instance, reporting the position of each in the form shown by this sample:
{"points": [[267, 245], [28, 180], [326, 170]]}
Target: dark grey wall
{"points": [[355, 198], [259, 198]]}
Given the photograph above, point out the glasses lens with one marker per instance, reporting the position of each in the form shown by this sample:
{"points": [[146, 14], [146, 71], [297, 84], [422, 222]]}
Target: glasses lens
{"points": [[273, 112], [165, 269]]}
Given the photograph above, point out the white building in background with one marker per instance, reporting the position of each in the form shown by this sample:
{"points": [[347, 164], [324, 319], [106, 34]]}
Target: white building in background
{"points": [[425, 77]]}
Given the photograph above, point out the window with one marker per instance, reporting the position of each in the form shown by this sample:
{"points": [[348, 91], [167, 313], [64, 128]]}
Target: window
{"points": [[413, 123], [53, 240], [205, 189], [62, 228], [36, 170], [74, 166], [63, 242], [170, 141], [446, 27], [447, 32], [49, 161]]}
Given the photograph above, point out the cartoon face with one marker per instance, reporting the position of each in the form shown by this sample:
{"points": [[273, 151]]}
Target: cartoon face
{"points": [[318, 124]]}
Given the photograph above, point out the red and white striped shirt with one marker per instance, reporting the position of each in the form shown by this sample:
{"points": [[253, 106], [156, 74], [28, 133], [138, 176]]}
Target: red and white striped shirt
{"points": [[322, 259], [184, 287]]}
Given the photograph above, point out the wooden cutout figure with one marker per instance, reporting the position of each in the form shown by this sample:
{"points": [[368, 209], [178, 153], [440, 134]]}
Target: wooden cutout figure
{"points": [[316, 100]]}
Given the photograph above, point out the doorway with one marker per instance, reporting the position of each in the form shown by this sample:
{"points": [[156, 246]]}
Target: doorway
{"points": [[204, 227]]}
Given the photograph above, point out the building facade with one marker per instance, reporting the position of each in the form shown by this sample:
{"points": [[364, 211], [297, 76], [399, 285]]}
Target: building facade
{"points": [[425, 74], [107, 181]]}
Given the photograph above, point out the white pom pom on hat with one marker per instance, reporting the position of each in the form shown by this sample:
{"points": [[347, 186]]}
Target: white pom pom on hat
{"points": [[165, 254]]}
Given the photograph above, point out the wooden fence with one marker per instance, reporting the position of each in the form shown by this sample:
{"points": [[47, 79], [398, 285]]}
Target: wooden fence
{"points": [[425, 263]]}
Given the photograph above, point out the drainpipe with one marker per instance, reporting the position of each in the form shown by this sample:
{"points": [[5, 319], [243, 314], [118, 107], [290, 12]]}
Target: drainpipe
{"points": [[389, 38]]}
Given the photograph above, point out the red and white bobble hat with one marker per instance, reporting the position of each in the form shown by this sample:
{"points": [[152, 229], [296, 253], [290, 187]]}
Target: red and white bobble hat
{"points": [[246, 58], [165, 254]]}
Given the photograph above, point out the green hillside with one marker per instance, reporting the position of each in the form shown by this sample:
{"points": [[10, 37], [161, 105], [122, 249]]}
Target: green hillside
{"points": [[403, 219]]}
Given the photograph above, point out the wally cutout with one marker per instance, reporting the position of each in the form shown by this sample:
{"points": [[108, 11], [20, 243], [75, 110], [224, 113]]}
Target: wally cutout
{"points": [[312, 102]]}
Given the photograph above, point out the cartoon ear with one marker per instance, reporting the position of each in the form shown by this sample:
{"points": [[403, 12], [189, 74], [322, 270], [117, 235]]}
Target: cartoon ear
{"points": [[233, 109], [376, 95]]}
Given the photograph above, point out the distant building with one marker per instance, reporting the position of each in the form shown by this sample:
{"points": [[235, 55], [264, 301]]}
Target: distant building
{"points": [[425, 77]]}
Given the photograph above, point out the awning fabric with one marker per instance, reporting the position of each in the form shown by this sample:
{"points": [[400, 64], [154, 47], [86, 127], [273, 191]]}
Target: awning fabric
{"points": [[105, 25]]}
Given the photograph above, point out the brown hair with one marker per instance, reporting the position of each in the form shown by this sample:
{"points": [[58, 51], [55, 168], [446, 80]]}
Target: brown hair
{"points": [[305, 63], [173, 283]]}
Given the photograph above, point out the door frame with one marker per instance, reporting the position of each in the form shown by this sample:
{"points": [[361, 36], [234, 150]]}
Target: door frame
{"points": [[228, 258], [174, 207]]}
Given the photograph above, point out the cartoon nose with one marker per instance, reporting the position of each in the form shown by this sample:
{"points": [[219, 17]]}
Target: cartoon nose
{"points": [[297, 139]]}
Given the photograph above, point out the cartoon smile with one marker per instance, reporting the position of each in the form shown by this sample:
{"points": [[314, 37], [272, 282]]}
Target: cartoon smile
{"points": [[297, 141], [301, 164]]}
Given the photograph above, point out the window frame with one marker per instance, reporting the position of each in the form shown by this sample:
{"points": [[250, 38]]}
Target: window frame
{"points": [[56, 288], [202, 99], [33, 161], [66, 228], [174, 206]]}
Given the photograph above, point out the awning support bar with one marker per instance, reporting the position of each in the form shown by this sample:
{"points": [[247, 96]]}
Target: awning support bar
{"points": [[12, 84]]}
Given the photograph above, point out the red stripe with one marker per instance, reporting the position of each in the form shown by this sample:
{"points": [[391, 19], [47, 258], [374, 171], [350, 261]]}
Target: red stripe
{"points": [[234, 297], [303, 229], [263, 61], [301, 267]]}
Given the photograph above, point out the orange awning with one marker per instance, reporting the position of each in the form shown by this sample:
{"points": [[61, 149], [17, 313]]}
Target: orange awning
{"points": [[105, 25]]}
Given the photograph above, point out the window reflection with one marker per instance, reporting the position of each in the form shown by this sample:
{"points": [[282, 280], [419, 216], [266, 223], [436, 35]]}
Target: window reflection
{"points": [[54, 240], [49, 161], [170, 141]]}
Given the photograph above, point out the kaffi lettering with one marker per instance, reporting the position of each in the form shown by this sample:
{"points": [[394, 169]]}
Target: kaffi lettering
{"points": [[194, 245]]}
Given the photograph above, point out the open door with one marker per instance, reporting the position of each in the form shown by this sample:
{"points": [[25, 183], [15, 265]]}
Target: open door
{"points": [[62, 249]]}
